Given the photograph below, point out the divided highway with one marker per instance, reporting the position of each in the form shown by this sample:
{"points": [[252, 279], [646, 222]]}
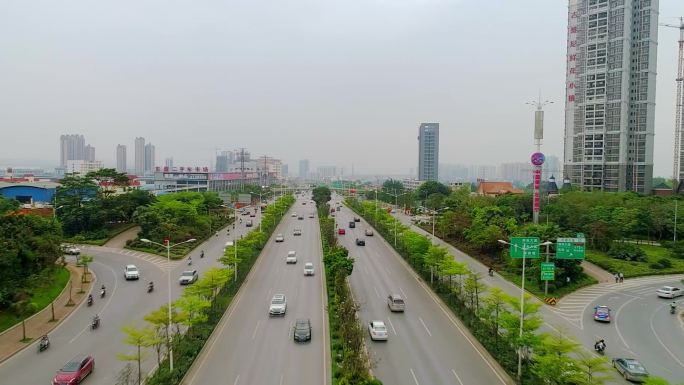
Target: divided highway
{"points": [[427, 344], [251, 347]]}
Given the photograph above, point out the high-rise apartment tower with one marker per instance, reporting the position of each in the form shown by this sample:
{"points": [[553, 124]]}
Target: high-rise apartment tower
{"points": [[121, 158], [139, 156], [428, 151], [610, 94]]}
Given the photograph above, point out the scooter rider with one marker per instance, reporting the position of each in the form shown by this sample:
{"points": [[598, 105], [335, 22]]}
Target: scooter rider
{"points": [[491, 271], [44, 341], [600, 346], [103, 291], [202, 254], [150, 286], [673, 307], [90, 299]]}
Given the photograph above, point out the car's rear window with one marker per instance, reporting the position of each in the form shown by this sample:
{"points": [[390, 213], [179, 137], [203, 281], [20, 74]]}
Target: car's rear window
{"points": [[379, 328], [399, 301]]}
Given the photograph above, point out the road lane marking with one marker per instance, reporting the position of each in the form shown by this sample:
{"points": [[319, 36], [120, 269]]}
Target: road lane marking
{"points": [[457, 377], [255, 329], [376, 291], [425, 326], [392, 325], [104, 307], [236, 380], [661, 341], [414, 376], [404, 294], [616, 323], [281, 379]]}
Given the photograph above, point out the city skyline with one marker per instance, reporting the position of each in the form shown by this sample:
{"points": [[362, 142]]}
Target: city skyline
{"points": [[458, 93]]}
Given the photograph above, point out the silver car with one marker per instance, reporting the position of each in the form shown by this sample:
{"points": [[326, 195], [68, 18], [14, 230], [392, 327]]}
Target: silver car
{"points": [[308, 268], [278, 305], [396, 303], [631, 369], [669, 292]]}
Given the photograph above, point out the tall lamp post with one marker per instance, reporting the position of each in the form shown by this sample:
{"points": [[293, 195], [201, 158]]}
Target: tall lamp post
{"points": [[168, 247], [522, 297], [396, 204], [433, 220]]}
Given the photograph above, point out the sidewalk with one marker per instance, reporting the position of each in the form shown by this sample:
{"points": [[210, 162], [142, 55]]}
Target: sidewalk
{"points": [[596, 272], [119, 241], [40, 323]]}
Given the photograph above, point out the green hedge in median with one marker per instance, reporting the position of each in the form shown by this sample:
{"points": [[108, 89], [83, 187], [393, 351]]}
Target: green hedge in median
{"points": [[350, 363]]}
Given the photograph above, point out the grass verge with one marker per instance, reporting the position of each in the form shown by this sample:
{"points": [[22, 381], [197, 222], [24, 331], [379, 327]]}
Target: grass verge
{"points": [[45, 288], [637, 269], [101, 237]]}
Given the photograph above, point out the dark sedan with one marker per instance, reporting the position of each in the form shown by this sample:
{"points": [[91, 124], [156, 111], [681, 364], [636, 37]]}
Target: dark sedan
{"points": [[74, 371], [360, 242], [631, 369], [302, 330]]}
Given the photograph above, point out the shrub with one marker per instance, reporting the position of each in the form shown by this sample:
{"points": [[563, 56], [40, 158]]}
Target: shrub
{"points": [[662, 263], [627, 252]]}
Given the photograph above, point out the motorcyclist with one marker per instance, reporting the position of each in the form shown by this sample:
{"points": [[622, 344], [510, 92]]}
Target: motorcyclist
{"points": [[44, 341], [600, 345], [673, 307], [189, 261], [90, 299], [150, 286], [491, 271], [103, 291], [202, 254], [96, 321]]}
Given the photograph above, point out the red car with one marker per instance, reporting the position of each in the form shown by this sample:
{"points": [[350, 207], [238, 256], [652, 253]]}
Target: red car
{"points": [[74, 371], [341, 232]]}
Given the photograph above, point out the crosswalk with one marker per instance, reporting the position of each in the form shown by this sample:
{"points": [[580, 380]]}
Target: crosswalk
{"points": [[573, 306], [157, 260]]}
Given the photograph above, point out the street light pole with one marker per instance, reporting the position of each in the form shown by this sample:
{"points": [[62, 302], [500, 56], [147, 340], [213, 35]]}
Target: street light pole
{"points": [[168, 247], [522, 302]]}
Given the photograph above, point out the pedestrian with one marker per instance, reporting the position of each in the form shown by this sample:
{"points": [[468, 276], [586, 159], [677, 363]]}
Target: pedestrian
{"points": [[617, 277], [567, 279], [622, 277]]}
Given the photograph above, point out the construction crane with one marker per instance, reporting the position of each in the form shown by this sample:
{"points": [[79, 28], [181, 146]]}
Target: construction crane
{"points": [[679, 119]]}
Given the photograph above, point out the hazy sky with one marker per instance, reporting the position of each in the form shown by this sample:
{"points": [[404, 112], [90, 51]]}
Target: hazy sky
{"points": [[337, 82]]}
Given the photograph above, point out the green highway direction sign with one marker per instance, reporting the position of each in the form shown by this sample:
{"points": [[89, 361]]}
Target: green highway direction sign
{"points": [[547, 271], [524, 247], [570, 248]]}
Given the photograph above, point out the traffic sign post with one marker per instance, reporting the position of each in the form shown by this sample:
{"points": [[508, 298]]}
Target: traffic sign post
{"points": [[548, 271], [570, 248], [524, 247]]}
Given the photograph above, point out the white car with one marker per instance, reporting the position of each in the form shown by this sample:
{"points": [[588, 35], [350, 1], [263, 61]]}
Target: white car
{"points": [[294, 215], [669, 292], [71, 250], [297, 232], [308, 268], [278, 305], [188, 276], [291, 257], [311, 215], [131, 272], [378, 331], [280, 238]]}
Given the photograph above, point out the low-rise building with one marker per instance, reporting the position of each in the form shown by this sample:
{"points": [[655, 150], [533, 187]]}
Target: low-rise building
{"points": [[491, 188]]}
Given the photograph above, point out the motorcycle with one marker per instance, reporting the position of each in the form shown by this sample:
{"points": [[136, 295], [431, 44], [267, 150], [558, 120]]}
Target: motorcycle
{"points": [[600, 347], [44, 343], [103, 292], [150, 287], [202, 254], [190, 261], [90, 300], [95, 323], [673, 309], [491, 272]]}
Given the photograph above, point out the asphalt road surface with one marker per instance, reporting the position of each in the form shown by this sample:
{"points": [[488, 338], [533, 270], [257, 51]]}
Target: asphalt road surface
{"points": [[642, 327], [427, 344], [126, 302], [251, 347]]}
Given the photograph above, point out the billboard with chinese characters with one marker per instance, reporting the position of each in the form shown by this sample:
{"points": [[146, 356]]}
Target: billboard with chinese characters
{"points": [[571, 77]]}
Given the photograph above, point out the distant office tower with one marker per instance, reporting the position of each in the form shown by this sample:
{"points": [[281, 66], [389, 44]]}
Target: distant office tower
{"points": [[304, 169], [223, 161], [139, 156], [327, 172], [89, 153], [284, 170], [150, 157], [428, 151], [71, 147], [610, 94], [515, 172], [121, 158], [168, 162]]}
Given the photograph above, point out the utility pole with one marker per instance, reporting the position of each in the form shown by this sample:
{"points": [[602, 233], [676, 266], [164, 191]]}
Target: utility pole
{"points": [[537, 157]]}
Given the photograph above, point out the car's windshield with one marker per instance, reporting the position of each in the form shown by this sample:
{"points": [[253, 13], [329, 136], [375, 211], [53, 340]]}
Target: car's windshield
{"points": [[132, 268], [71, 366], [399, 301], [278, 301], [187, 273], [379, 328]]}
